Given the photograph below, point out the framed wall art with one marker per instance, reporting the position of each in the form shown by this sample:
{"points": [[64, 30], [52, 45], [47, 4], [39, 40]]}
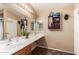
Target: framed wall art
{"points": [[54, 20]]}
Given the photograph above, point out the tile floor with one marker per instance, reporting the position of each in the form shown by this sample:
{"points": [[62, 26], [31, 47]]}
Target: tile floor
{"points": [[44, 51]]}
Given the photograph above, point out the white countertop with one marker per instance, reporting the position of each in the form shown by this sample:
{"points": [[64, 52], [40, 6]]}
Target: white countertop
{"points": [[17, 45]]}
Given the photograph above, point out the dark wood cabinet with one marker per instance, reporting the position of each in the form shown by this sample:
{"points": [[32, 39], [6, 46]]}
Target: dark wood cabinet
{"points": [[25, 51]]}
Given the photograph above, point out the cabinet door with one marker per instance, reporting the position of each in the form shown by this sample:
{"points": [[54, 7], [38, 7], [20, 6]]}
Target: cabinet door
{"points": [[21, 52], [28, 50], [25, 51]]}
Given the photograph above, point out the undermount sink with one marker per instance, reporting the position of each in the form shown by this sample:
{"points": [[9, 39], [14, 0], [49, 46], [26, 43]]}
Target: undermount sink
{"points": [[16, 42], [12, 44], [8, 43]]}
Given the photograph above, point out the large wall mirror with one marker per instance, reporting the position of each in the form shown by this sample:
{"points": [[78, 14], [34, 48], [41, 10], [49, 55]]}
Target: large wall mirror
{"points": [[29, 25]]}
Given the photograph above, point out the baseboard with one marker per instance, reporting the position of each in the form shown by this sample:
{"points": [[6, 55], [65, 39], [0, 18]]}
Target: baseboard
{"points": [[56, 49]]}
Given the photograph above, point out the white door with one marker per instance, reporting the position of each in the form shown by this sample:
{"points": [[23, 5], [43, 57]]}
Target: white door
{"points": [[11, 28], [76, 31]]}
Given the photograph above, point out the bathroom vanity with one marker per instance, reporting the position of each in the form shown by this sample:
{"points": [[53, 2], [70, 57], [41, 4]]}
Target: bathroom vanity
{"points": [[24, 51], [10, 44], [22, 46]]}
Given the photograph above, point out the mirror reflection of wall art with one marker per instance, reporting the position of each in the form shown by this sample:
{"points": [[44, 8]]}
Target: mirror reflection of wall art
{"points": [[54, 20], [23, 23]]}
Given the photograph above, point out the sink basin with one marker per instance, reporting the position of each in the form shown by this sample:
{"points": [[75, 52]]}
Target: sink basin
{"points": [[16, 40], [4, 48]]}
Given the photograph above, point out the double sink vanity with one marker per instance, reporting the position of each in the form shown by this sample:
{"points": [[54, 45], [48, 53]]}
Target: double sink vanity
{"points": [[16, 21], [19, 45]]}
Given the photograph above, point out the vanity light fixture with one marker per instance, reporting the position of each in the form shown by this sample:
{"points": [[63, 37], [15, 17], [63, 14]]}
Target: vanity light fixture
{"points": [[25, 7]]}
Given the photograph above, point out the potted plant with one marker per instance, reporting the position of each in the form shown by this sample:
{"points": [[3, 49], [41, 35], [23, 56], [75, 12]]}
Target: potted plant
{"points": [[27, 34], [23, 33]]}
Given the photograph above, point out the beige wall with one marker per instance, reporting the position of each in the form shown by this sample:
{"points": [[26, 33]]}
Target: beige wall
{"points": [[64, 38]]}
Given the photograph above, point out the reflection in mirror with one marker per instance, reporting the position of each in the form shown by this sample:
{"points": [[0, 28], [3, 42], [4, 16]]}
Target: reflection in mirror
{"points": [[11, 26], [23, 26], [1, 26], [29, 25], [33, 25], [36, 26]]}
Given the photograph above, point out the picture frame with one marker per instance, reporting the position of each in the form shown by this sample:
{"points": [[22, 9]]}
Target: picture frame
{"points": [[54, 21]]}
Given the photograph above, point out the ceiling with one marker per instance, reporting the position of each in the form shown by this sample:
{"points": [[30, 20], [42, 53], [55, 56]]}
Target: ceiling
{"points": [[11, 7], [39, 7]]}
